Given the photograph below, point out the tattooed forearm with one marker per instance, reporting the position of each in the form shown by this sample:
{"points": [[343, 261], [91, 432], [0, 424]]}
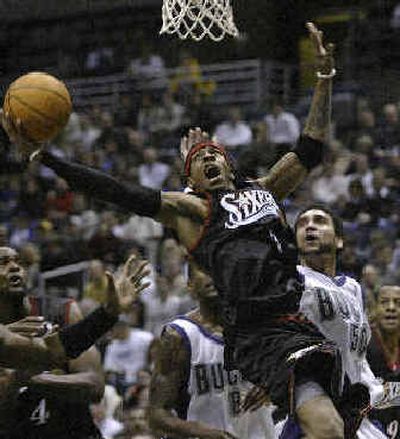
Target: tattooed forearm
{"points": [[284, 177], [318, 121]]}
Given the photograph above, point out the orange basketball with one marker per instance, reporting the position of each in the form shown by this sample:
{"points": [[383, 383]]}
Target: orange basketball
{"points": [[42, 103]]}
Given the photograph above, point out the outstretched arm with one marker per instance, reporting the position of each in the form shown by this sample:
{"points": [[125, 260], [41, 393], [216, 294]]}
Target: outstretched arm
{"points": [[290, 171], [164, 207]]}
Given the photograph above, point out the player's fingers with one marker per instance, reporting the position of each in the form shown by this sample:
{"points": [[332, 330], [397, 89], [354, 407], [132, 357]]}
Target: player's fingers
{"points": [[141, 266], [130, 265], [110, 283], [199, 135], [143, 287], [38, 319], [136, 280]]}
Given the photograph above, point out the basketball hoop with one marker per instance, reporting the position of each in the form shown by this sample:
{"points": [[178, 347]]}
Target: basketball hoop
{"points": [[198, 19]]}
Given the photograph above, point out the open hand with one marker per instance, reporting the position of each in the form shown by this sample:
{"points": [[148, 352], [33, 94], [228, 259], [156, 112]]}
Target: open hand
{"points": [[194, 137], [17, 136], [124, 289], [324, 53]]}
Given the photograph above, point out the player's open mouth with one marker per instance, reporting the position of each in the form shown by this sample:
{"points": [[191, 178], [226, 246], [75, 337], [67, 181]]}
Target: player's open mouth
{"points": [[311, 238], [212, 171], [15, 280]]}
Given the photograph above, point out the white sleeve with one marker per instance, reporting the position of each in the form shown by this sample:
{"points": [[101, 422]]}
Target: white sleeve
{"points": [[374, 384]]}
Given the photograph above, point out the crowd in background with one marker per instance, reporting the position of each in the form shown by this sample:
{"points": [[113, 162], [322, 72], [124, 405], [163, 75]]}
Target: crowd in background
{"points": [[138, 142]]}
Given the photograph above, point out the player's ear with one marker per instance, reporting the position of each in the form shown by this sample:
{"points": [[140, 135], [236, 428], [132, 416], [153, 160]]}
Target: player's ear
{"points": [[339, 243]]}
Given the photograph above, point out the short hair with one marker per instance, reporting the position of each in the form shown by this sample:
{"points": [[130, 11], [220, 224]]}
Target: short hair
{"points": [[337, 221]]}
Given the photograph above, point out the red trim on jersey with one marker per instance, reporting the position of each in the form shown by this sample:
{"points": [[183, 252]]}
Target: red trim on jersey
{"points": [[206, 223], [298, 318], [393, 366], [197, 148]]}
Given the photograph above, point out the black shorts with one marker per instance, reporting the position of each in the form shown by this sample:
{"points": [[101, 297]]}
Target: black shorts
{"points": [[281, 353]]}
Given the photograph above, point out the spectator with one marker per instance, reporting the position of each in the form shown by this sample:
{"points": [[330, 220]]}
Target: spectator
{"points": [[148, 69], [389, 129], [370, 282], [283, 129], [152, 173], [330, 185], [96, 288], [126, 355], [234, 132], [30, 260]]}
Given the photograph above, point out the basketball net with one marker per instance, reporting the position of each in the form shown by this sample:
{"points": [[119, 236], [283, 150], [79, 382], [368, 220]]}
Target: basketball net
{"points": [[198, 19]]}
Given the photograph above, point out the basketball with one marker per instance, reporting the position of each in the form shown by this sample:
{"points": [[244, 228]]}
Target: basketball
{"points": [[42, 103]]}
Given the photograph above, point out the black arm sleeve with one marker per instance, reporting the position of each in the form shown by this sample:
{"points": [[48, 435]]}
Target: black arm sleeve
{"points": [[77, 338], [132, 198], [309, 151]]}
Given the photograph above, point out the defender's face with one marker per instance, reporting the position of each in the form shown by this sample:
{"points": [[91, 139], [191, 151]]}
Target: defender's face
{"points": [[315, 233], [209, 170], [388, 309], [12, 275], [203, 286]]}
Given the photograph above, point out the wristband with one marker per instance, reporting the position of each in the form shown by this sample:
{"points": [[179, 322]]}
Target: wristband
{"points": [[329, 75], [81, 336], [309, 151]]}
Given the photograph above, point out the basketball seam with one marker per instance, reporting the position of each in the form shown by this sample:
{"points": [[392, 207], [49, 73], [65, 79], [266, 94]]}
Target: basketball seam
{"points": [[33, 109], [29, 87]]}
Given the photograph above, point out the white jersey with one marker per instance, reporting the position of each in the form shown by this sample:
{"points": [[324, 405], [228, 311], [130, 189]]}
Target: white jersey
{"points": [[335, 306], [216, 394]]}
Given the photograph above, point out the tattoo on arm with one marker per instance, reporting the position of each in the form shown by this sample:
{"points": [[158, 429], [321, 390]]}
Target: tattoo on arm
{"points": [[170, 373], [319, 118], [284, 177]]}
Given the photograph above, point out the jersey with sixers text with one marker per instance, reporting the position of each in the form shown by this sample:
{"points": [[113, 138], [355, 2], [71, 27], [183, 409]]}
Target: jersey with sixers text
{"points": [[389, 417], [249, 250]]}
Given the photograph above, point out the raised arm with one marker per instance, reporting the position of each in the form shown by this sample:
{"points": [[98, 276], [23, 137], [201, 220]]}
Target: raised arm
{"points": [[291, 169]]}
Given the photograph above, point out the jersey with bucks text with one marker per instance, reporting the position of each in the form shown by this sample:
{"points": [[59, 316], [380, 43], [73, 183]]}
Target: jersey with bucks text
{"points": [[335, 306], [215, 395]]}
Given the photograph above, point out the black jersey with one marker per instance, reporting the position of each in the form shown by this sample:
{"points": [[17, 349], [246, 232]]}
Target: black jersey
{"points": [[39, 417], [249, 250], [390, 417], [49, 418]]}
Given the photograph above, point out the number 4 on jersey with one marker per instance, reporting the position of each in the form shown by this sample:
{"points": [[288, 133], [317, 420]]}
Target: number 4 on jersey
{"points": [[40, 415]]}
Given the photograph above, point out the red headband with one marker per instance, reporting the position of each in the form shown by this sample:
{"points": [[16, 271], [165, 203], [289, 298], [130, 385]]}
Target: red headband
{"points": [[197, 148]]}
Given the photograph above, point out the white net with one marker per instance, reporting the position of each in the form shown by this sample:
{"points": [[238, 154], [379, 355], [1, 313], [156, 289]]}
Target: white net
{"points": [[198, 19]]}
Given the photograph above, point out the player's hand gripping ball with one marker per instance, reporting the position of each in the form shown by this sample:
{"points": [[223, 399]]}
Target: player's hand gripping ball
{"points": [[36, 108]]}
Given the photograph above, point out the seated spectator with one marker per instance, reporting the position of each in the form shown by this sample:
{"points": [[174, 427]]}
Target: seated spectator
{"points": [[96, 287], [151, 172], [188, 79], [31, 199], [357, 204], [149, 68], [283, 129], [59, 201], [370, 282], [330, 185], [233, 132], [126, 355], [389, 128], [30, 260]]}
